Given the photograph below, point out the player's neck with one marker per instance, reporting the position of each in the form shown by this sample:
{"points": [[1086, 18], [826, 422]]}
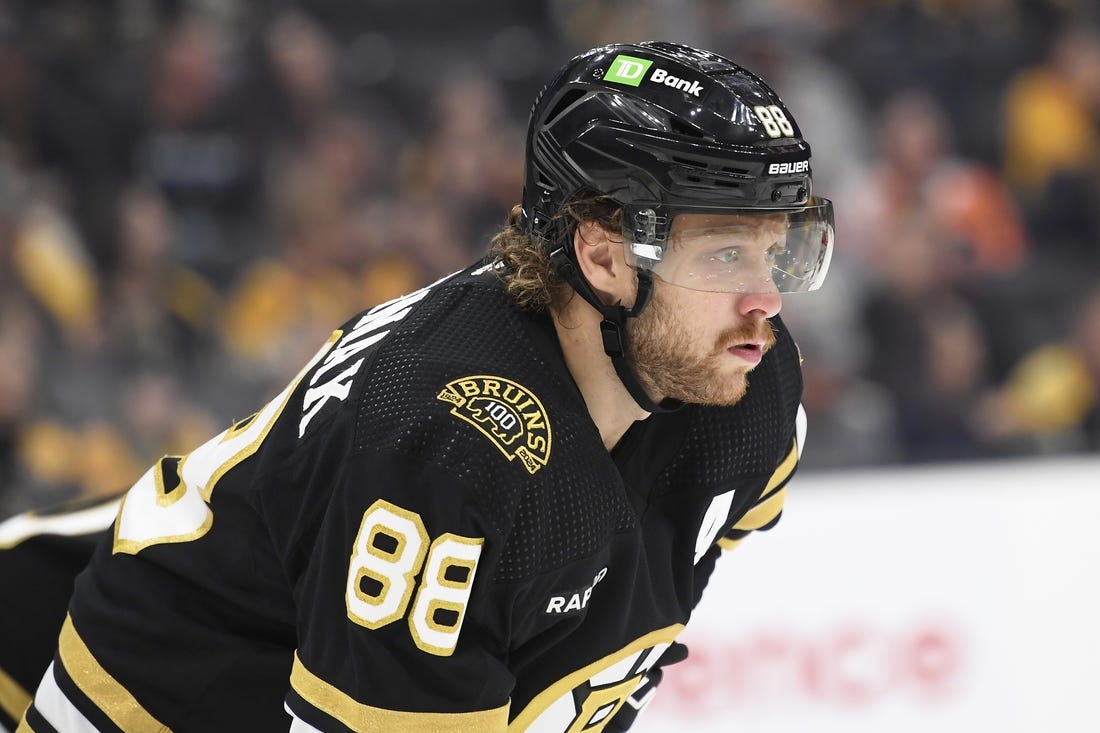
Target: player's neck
{"points": [[612, 408]]}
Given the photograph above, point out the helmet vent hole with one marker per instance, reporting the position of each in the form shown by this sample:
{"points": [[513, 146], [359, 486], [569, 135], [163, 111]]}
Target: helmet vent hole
{"points": [[681, 127], [689, 162], [566, 101]]}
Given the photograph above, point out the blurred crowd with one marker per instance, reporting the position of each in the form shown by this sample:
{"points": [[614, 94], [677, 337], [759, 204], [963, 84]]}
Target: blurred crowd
{"points": [[194, 193]]}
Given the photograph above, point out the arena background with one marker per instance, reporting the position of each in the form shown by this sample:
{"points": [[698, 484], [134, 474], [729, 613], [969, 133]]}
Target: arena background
{"points": [[193, 194]]}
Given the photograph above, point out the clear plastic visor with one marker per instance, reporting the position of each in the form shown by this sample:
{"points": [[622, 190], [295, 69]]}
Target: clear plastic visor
{"points": [[746, 251]]}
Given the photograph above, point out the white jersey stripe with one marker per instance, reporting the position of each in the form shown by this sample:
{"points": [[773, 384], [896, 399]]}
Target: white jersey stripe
{"points": [[298, 725], [84, 521], [52, 704], [801, 425]]}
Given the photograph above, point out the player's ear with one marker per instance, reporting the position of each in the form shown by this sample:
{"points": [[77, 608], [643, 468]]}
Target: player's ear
{"points": [[602, 261]]}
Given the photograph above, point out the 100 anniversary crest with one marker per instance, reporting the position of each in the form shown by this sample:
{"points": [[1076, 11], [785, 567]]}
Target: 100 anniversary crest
{"points": [[506, 413]]}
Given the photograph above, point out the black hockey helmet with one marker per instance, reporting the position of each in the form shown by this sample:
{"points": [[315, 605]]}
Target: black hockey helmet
{"points": [[665, 129]]}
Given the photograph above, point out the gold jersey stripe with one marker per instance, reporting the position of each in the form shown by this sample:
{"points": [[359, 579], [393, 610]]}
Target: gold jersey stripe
{"points": [[13, 698], [360, 717], [101, 688], [763, 512], [572, 681], [727, 544], [24, 726], [769, 504], [783, 471]]}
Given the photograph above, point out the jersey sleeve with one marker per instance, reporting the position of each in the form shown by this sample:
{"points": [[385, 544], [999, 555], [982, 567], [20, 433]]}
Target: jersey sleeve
{"points": [[399, 626], [765, 513], [51, 546]]}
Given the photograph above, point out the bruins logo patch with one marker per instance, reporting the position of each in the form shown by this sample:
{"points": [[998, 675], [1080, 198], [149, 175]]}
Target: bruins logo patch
{"points": [[505, 413]]}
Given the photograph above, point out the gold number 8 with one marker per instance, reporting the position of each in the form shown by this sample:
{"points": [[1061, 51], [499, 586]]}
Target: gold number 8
{"points": [[390, 549]]}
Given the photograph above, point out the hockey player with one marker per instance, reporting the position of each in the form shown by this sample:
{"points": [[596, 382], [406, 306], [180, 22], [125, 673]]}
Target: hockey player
{"points": [[491, 504]]}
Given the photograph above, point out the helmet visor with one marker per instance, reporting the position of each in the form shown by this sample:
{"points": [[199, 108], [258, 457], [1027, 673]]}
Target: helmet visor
{"points": [[740, 251]]}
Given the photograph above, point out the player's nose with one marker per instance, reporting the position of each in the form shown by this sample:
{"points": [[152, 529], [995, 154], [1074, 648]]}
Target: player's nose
{"points": [[767, 302]]}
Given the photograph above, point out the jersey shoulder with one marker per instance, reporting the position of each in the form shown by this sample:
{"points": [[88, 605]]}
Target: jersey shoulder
{"points": [[455, 378], [464, 386], [749, 439]]}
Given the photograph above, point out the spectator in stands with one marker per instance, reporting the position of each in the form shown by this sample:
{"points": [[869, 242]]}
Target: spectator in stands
{"points": [[20, 344], [1052, 159], [195, 148], [1050, 401], [925, 346], [1051, 113], [919, 173]]}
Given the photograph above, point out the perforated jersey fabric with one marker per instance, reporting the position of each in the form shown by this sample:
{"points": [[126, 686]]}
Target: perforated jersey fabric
{"points": [[723, 443]]}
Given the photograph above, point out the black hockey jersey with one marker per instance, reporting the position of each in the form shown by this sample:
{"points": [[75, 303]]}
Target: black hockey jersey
{"points": [[41, 553], [423, 532]]}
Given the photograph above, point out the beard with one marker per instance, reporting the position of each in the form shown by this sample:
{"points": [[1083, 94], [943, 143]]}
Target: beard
{"points": [[668, 363]]}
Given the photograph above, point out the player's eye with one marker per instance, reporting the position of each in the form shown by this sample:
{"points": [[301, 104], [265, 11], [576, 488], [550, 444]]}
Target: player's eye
{"points": [[775, 251], [727, 256]]}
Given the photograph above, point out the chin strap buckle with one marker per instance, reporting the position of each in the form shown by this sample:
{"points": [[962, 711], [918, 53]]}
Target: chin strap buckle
{"points": [[612, 339]]}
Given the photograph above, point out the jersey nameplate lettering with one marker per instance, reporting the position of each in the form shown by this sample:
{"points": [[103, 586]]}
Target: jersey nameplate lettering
{"points": [[328, 383]]}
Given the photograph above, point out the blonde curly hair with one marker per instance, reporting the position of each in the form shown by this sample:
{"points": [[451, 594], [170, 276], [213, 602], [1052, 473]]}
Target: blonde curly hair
{"points": [[524, 264]]}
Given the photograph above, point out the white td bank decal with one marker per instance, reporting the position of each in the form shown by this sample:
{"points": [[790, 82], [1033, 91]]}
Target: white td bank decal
{"points": [[631, 70]]}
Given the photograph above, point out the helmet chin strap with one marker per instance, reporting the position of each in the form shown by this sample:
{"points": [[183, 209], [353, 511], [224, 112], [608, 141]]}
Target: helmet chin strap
{"points": [[613, 328]]}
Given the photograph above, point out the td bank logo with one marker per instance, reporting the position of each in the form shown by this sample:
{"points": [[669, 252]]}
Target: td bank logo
{"points": [[628, 70]]}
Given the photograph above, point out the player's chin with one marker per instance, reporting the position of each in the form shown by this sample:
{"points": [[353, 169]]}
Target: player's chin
{"points": [[726, 388]]}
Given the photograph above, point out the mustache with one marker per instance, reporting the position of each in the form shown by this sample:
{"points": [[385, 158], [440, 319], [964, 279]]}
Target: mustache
{"points": [[759, 331]]}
